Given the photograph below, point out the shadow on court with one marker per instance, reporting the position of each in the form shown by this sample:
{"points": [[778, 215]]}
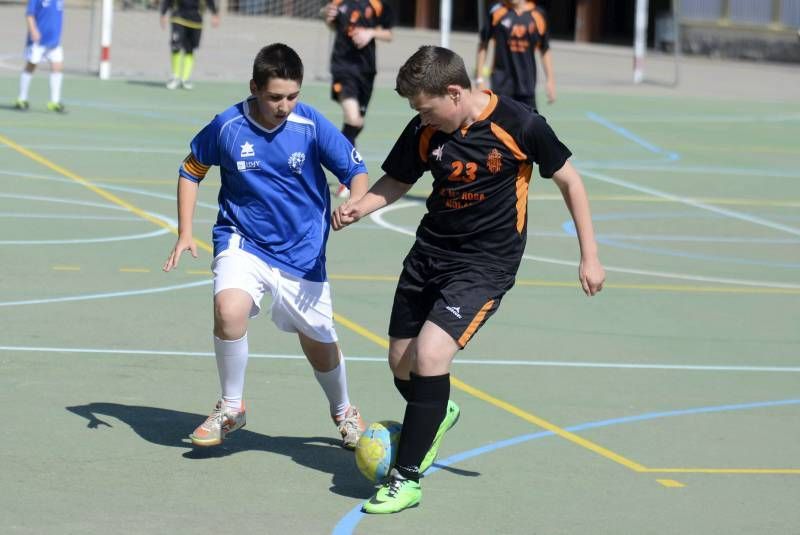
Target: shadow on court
{"points": [[171, 428]]}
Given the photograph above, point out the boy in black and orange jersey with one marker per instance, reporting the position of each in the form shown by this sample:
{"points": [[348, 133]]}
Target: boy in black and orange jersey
{"points": [[186, 19], [358, 24], [480, 149], [517, 27]]}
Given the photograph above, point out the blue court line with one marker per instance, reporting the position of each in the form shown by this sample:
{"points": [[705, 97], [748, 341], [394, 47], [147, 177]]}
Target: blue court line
{"points": [[349, 521], [627, 134]]}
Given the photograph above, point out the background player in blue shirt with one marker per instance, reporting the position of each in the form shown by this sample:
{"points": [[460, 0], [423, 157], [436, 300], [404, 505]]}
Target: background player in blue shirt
{"points": [[271, 230], [44, 19]]}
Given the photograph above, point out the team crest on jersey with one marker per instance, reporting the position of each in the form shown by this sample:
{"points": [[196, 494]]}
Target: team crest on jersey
{"points": [[506, 22], [355, 156], [296, 161], [438, 152], [247, 150], [494, 161]]}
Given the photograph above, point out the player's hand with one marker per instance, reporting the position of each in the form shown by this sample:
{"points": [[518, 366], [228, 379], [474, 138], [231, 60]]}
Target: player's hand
{"points": [[592, 275], [35, 35], [163, 21], [330, 12], [184, 243], [362, 36], [550, 87], [346, 214], [215, 21]]}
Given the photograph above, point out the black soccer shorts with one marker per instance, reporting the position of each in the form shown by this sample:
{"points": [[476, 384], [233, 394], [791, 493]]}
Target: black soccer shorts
{"points": [[352, 85], [455, 295], [184, 38]]}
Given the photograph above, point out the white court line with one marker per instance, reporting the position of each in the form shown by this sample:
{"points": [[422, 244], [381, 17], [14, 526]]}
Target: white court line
{"points": [[377, 217], [480, 362], [104, 295], [697, 204]]}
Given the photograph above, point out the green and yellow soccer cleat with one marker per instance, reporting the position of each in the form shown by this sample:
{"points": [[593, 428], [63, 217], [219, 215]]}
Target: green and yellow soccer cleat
{"points": [[56, 107], [450, 419], [21, 105], [394, 496]]}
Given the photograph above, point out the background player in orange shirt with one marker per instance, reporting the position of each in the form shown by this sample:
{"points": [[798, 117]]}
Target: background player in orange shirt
{"points": [[517, 27], [358, 24]]}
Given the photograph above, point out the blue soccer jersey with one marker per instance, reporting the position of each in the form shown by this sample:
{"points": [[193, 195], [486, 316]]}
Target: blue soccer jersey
{"points": [[274, 200], [49, 15]]}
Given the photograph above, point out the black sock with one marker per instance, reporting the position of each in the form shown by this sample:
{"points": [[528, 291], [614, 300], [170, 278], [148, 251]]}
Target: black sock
{"points": [[351, 132], [425, 411], [403, 386]]}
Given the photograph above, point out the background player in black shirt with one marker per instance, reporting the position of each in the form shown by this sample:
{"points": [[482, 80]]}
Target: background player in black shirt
{"points": [[358, 24], [517, 27], [186, 21], [480, 149]]}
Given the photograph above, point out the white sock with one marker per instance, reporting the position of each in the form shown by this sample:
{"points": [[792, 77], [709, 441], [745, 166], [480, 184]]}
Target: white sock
{"points": [[55, 86], [231, 364], [334, 384], [24, 84]]}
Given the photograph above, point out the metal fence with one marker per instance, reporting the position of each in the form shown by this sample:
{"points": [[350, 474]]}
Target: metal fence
{"points": [[775, 13]]}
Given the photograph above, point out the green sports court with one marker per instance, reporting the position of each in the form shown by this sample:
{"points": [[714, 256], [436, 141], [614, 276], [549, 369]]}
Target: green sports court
{"points": [[667, 404]]}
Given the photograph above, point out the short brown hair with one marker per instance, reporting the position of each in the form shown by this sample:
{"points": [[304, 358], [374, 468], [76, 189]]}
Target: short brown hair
{"points": [[430, 70], [277, 61]]}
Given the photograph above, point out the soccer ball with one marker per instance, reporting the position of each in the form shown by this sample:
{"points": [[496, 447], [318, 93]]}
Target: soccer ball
{"points": [[376, 450]]}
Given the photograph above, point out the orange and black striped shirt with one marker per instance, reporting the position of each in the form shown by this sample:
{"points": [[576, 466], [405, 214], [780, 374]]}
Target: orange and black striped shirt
{"points": [[477, 211], [516, 35], [345, 56]]}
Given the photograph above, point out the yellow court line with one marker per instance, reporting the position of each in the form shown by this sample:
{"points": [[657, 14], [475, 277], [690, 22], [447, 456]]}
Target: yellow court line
{"points": [[608, 454], [96, 189], [765, 471], [66, 268], [134, 270], [532, 418], [671, 483]]}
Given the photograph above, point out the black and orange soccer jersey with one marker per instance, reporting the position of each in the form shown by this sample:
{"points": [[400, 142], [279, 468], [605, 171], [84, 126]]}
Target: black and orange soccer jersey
{"points": [[516, 34], [187, 13], [477, 211], [350, 15]]}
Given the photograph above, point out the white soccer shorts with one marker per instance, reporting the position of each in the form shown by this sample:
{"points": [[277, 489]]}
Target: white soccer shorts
{"points": [[298, 305], [34, 53]]}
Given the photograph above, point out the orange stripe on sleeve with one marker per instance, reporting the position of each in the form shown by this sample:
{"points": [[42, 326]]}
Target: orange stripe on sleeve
{"points": [[195, 168], [541, 24], [508, 141], [377, 6], [499, 14], [424, 142], [523, 181], [475, 323]]}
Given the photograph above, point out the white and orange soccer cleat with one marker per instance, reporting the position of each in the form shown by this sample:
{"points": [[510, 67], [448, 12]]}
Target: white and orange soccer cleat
{"points": [[218, 425], [350, 426]]}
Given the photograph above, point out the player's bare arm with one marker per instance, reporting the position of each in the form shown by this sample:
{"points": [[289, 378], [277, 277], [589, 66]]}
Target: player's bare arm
{"points": [[385, 191], [33, 29], [550, 84], [362, 36], [590, 271], [187, 199]]}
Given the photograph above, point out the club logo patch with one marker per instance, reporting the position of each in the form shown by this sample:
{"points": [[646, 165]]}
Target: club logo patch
{"points": [[296, 161], [494, 161], [247, 150]]}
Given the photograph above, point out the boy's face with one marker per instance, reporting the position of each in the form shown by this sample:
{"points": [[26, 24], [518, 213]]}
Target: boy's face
{"points": [[276, 100], [440, 112]]}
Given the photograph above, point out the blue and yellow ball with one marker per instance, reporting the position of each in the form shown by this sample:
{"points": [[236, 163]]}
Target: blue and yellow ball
{"points": [[376, 450]]}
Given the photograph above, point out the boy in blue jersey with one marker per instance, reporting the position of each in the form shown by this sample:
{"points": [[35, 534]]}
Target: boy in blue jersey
{"points": [[271, 230], [44, 19]]}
